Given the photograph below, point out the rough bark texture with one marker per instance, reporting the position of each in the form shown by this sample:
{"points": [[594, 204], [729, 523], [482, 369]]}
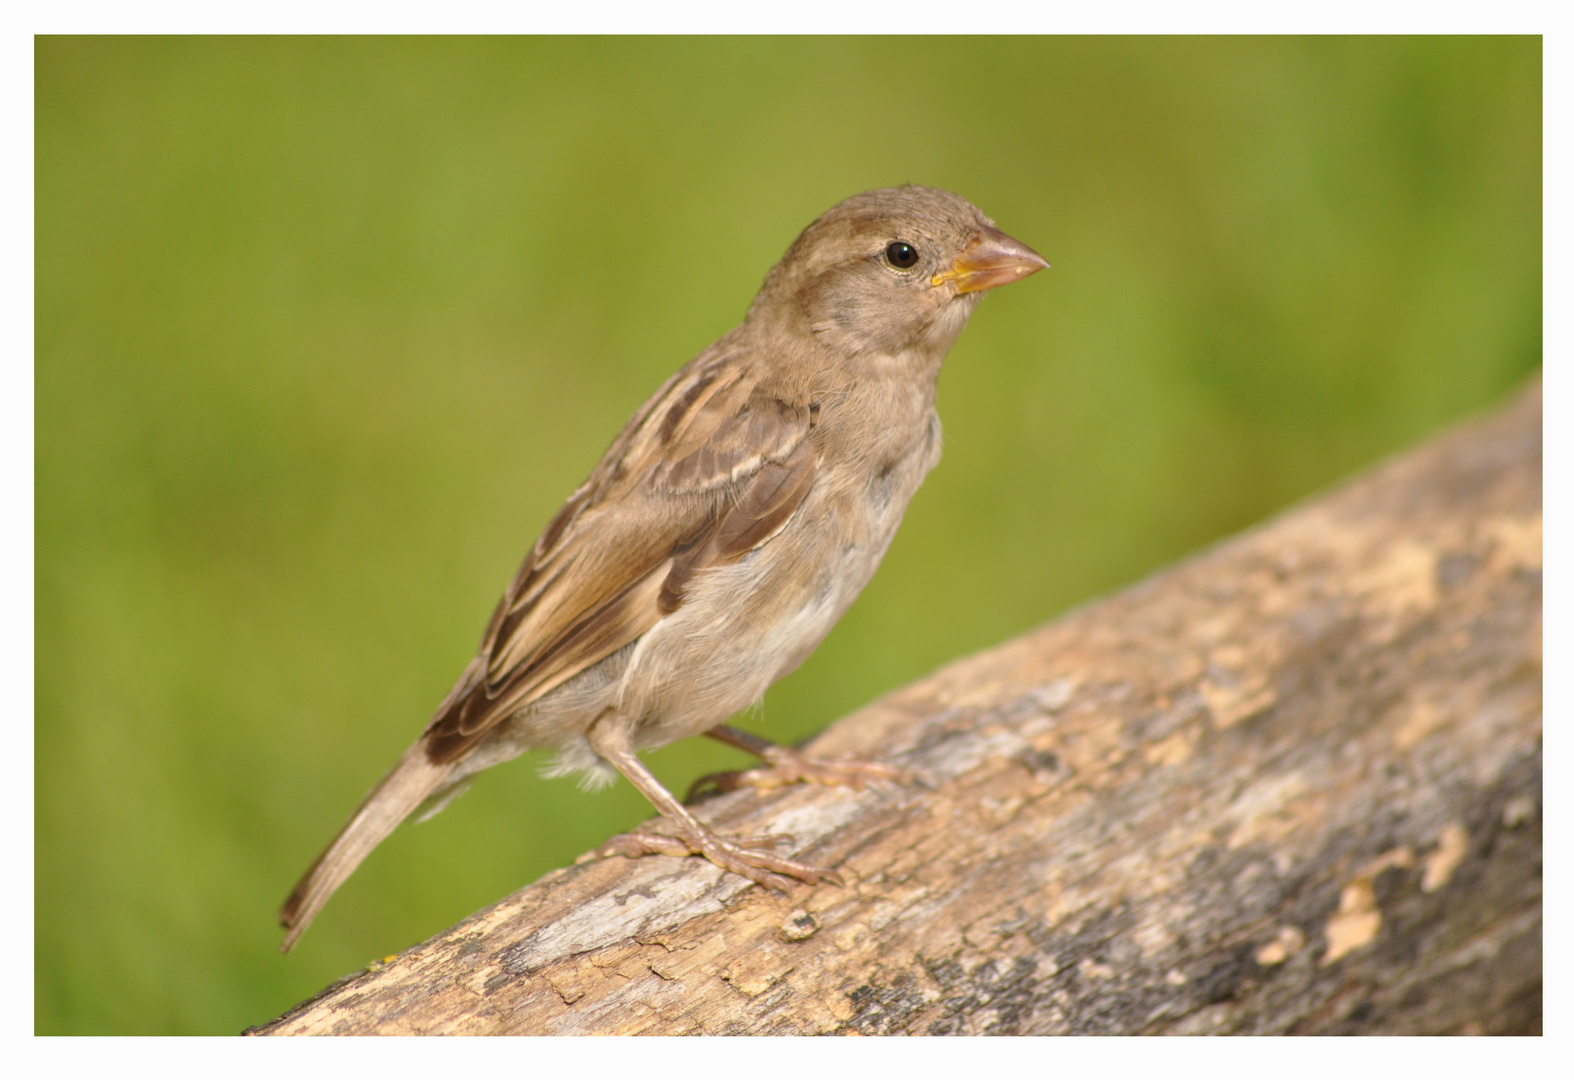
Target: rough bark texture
{"points": [[1292, 785]]}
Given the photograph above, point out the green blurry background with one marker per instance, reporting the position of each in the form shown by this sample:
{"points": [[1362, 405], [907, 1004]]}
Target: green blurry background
{"points": [[327, 329]]}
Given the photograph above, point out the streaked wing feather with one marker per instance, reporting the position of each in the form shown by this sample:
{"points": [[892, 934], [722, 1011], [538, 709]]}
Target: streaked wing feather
{"points": [[709, 469], [605, 630]]}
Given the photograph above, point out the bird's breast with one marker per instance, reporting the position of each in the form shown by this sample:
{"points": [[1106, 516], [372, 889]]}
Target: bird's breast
{"points": [[743, 626]]}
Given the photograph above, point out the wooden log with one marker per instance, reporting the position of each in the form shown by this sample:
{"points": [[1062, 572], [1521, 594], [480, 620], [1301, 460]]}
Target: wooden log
{"points": [[1291, 785]]}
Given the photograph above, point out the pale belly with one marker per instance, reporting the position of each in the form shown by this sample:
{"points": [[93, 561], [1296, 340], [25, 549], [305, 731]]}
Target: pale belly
{"points": [[747, 625]]}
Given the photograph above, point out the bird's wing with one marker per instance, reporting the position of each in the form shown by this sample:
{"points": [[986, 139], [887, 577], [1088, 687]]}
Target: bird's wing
{"points": [[711, 468]]}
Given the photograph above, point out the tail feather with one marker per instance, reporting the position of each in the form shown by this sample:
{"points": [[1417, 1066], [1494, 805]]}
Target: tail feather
{"points": [[404, 788]]}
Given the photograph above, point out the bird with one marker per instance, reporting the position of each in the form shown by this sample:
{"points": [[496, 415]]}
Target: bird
{"points": [[724, 532]]}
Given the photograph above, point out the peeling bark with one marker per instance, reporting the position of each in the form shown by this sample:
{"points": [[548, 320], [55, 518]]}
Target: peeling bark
{"points": [[1291, 785]]}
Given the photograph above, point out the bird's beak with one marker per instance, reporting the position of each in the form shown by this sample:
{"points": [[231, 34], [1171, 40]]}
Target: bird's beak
{"points": [[994, 259]]}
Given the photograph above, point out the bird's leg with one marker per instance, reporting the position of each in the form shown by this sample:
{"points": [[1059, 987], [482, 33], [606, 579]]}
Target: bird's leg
{"points": [[784, 765], [688, 835]]}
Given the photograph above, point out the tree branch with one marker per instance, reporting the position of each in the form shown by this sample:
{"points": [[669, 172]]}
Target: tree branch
{"points": [[1291, 785]]}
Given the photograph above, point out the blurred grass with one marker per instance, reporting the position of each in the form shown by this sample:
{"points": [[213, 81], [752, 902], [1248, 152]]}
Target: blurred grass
{"points": [[326, 330]]}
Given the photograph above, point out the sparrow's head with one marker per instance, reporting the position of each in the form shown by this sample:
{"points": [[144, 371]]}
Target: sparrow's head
{"points": [[893, 271]]}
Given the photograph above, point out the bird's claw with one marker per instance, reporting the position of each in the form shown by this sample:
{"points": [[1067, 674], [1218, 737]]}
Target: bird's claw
{"points": [[746, 856]]}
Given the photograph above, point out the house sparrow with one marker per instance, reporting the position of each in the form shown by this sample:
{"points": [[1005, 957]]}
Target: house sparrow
{"points": [[728, 527]]}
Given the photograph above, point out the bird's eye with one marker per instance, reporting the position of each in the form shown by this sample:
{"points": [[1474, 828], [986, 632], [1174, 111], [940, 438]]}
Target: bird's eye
{"points": [[901, 254]]}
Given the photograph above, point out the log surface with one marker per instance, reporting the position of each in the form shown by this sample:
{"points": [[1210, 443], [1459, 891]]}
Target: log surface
{"points": [[1291, 785]]}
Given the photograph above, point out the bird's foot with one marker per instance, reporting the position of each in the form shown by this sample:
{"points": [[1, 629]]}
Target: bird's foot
{"points": [[747, 856], [784, 765]]}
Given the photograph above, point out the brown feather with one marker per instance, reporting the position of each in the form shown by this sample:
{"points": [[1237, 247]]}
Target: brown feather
{"points": [[597, 581], [396, 795]]}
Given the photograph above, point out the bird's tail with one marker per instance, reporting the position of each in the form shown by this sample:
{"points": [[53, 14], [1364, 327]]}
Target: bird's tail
{"points": [[405, 787]]}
